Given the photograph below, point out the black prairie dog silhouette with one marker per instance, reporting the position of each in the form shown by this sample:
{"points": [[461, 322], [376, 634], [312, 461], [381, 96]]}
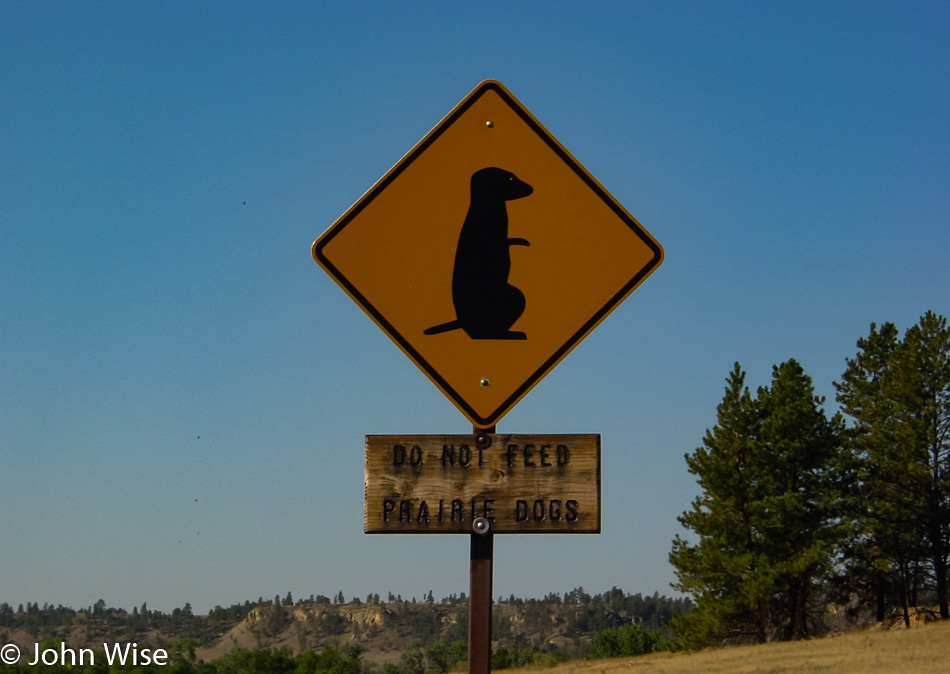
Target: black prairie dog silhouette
{"points": [[486, 305]]}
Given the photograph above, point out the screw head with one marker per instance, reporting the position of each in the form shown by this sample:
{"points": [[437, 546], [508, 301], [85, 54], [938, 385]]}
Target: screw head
{"points": [[484, 382]]}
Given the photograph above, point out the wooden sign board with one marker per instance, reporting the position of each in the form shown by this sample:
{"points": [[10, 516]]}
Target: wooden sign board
{"points": [[520, 483]]}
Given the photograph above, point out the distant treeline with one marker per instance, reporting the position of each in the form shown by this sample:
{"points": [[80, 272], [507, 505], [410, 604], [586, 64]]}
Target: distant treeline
{"points": [[611, 623], [651, 610], [607, 610], [554, 627]]}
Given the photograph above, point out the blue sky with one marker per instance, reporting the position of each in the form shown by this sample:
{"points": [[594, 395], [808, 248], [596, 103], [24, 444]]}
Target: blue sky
{"points": [[184, 393]]}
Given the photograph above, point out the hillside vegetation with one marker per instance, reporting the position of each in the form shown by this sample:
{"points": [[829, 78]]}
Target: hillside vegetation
{"points": [[557, 626]]}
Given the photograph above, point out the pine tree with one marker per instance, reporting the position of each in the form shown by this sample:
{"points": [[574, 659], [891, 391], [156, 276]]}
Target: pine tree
{"points": [[921, 394], [883, 547], [726, 571], [765, 520], [898, 393], [801, 508]]}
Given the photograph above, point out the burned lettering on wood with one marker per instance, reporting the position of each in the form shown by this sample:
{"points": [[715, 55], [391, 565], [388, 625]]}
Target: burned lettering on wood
{"points": [[400, 455], [537, 456], [463, 456], [520, 483]]}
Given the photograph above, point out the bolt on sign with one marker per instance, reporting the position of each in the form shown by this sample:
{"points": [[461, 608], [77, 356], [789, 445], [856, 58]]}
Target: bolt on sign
{"points": [[487, 253], [519, 483]]}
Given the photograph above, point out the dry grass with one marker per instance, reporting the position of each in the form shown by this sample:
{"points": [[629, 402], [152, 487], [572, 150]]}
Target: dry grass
{"points": [[922, 649]]}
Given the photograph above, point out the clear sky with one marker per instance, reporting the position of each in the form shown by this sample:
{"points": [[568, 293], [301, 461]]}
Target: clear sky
{"points": [[184, 393]]}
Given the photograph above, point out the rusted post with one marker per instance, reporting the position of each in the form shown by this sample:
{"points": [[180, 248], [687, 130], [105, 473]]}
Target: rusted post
{"points": [[480, 585]]}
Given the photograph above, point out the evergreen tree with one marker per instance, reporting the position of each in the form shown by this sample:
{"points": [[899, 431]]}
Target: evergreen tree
{"points": [[883, 547], [802, 503], [765, 518], [276, 619], [725, 570], [898, 393], [922, 401]]}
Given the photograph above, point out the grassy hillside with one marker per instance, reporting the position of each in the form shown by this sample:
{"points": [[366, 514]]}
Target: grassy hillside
{"points": [[873, 651]]}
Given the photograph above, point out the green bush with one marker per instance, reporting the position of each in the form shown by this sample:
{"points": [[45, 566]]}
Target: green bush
{"points": [[626, 640]]}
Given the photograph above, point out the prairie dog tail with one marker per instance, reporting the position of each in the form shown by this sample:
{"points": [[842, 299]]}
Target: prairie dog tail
{"points": [[444, 327]]}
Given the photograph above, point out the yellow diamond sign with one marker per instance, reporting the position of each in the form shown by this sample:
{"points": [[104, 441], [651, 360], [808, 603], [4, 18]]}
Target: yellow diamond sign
{"points": [[487, 253]]}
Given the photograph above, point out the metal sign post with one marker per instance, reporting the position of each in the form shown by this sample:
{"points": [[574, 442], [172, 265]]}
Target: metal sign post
{"points": [[479, 603], [481, 561]]}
